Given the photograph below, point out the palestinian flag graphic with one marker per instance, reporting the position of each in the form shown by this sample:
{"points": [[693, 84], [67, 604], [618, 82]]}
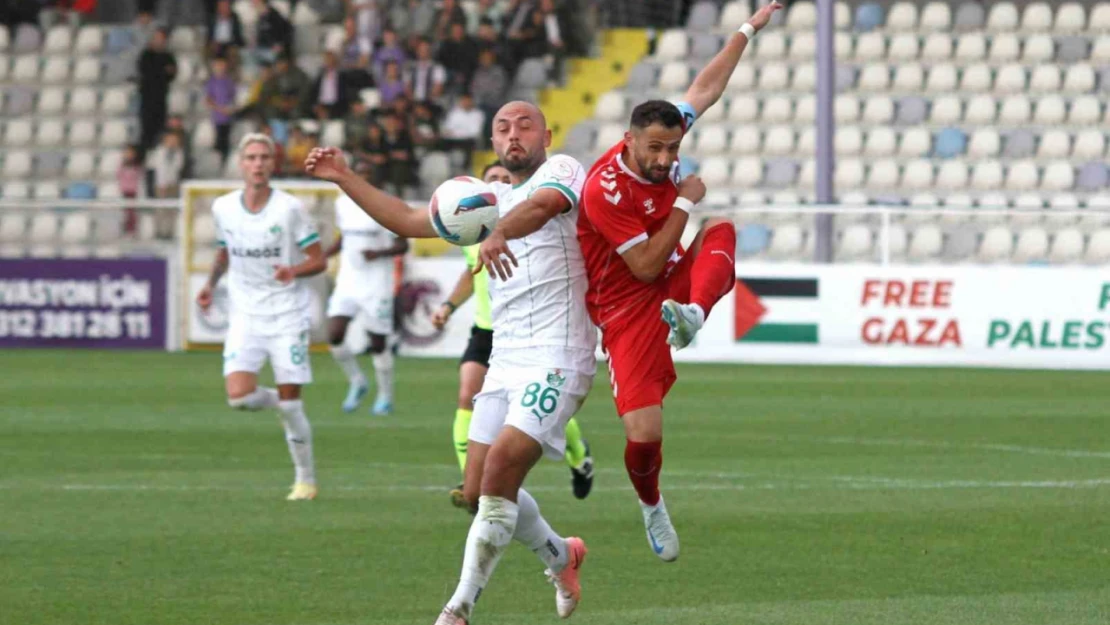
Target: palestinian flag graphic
{"points": [[775, 310]]}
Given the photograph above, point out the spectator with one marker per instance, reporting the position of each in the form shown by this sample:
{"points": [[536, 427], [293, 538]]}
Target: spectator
{"points": [[450, 13], [279, 148], [282, 95], [484, 11], [425, 127], [274, 33], [489, 85], [157, 69], [553, 34], [355, 63], [176, 123], [462, 129], [356, 125], [426, 78], [390, 51], [459, 55], [414, 17], [168, 164], [392, 86], [398, 148], [225, 33], [367, 17], [129, 177], [488, 40], [301, 142], [219, 97], [517, 17], [371, 156], [330, 94], [532, 42]]}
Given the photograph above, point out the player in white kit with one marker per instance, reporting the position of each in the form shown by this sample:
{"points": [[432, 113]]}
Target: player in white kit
{"points": [[267, 241], [543, 364], [365, 284]]}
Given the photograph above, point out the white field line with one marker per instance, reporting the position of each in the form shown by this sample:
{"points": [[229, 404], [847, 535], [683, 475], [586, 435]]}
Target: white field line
{"points": [[909, 442]]}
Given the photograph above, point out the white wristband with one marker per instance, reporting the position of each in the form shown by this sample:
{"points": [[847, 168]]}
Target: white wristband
{"points": [[684, 204], [748, 30]]}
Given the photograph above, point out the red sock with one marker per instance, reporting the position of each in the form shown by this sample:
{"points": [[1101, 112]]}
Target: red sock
{"points": [[714, 270], [643, 462]]}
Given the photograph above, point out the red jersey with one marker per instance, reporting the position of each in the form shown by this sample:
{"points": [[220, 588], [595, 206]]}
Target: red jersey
{"points": [[619, 210]]}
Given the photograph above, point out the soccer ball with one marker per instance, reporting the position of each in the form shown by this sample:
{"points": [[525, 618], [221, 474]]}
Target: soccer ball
{"points": [[463, 210]]}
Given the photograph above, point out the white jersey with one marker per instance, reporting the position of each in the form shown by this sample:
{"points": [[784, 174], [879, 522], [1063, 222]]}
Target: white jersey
{"points": [[358, 276], [258, 243], [543, 304]]}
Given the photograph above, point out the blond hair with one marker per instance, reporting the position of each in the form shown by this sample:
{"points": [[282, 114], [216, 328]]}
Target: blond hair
{"points": [[256, 137]]}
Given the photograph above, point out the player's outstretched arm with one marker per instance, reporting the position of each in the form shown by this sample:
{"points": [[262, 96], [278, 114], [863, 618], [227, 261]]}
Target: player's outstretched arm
{"points": [[525, 218], [464, 288], [709, 84], [391, 212]]}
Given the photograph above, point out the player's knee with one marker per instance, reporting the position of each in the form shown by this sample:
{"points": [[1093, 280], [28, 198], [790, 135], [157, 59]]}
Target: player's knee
{"points": [[714, 222]]}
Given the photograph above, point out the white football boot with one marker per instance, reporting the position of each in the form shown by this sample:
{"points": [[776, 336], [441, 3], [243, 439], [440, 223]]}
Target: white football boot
{"points": [[660, 532], [684, 321]]}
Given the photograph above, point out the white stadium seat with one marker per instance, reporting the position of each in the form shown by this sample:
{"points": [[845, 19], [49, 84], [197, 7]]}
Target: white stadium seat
{"points": [[1037, 18], [856, 242], [184, 40], [952, 175], [607, 136], [82, 133], [672, 45], [1005, 47], [803, 46], [1022, 176], [918, 175], [903, 47], [1032, 244], [1100, 51], [90, 40], [808, 175], [52, 101], [1071, 18], [925, 205], [981, 109], [1015, 110], [76, 228], [1045, 79], [743, 109], [751, 198], [83, 101], [802, 16], [805, 110], [915, 142], [109, 163], [926, 243], [747, 172], [937, 47], [117, 100], [43, 227], [1090, 144], [1027, 202], [787, 241], [1003, 17], [848, 141], [881, 142], [708, 140], [1038, 49], [778, 109], [1085, 110], [997, 244], [976, 78], [883, 175], [849, 174], [87, 71], [986, 175], [807, 142], [846, 108], [610, 107], [13, 224], [1080, 79], [984, 143], [779, 141], [743, 79], [58, 40], [114, 133], [804, 78], [1063, 210], [774, 76], [878, 110], [902, 17], [1100, 18], [936, 16], [947, 109], [771, 46], [1011, 78], [957, 201], [842, 15], [55, 70], [734, 14], [1054, 143], [971, 47], [50, 133], [19, 133], [712, 114], [714, 171], [25, 69], [1051, 110], [81, 165], [47, 190], [1067, 246], [942, 78], [870, 47], [908, 77], [1058, 176], [674, 75]]}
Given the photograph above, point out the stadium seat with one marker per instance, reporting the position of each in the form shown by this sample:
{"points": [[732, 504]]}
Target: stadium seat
{"points": [[1030, 210], [1099, 18], [109, 164], [986, 175], [1037, 18], [803, 46], [43, 227], [1071, 18], [980, 110], [5, 40], [937, 47], [703, 16], [923, 207], [902, 17], [607, 136], [50, 133], [774, 76], [846, 108], [1098, 248], [787, 241], [971, 47], [1012, 79], [1080, 79], [184, 41], [807, 176], [1085, 110], [943, 78], [1015, 111], [870, 47], [882, 175], [76, 228], [55, 70], [997, 244], [20, 101], [114, 133], [80, 191], [807, 142], [1051, 110], [672, 45], [917, 175], [1063, 207], [82, 133], [771, 46], [1072, 49], [936, 16], [27, 38], [83, 101], [848, 141], [1003, 17], [950, 142], [845, 78], [1090, 144], [18, 133], [952, 176], [856, 243], [869, 16], [1093, 176], [1104, 84], [956, 202], [1054, 144], [181, 102], [908, 77], [109, 191], [643, 75], [743, 109], [743, 79], [751, 198], [976, 78], [779, 141], [734, 14], [747, 172], [801, 17], [25, 69], [704, 45], [903, 47], [52, 101], [81, 164], [804, 78], [926, 243], [710, 140], [116, 101], [87, 71], [778, 109], [752, 239], [1005, 47], [912, 110], [334, 132], [849, 174], [714, 171], [58, 40], [842, 44], [1022, 176], [1100, 50], [881, 142], [780, 173], [985, 143], [915, 142], [90, 40], [1067, 246], [946, 109], [13, 224]]}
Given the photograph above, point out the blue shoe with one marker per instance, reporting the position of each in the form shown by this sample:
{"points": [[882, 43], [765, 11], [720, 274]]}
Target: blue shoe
{"points": [[383, 406], [354, 396]]}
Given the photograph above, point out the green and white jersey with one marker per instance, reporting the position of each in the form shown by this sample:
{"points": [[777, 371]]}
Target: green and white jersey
{"points": [[257, 244], [359, 277], [543, 303]]}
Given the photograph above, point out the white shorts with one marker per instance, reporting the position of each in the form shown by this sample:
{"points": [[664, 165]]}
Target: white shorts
{"points": [[377, 309], [287, 351], [537, 401]]}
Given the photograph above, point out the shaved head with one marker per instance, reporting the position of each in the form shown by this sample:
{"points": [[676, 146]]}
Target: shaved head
{"points": [[520, 137]]}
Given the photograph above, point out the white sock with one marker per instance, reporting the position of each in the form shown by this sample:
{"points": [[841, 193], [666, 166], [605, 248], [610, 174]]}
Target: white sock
{"points": [[348, 364], [258, 399], [383, 373], [532, 530], [700, 313], [490, 534], [298, 435]]}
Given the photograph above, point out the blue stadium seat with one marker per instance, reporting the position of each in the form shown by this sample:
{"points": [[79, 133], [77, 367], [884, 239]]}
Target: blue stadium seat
{"points": [[687, 165], [869, 16], [949, 143], [1093, 176], [81, 191], [120, 39], [752, 239]]}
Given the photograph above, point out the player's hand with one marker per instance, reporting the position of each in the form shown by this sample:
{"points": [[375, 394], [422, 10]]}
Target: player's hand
{"points": [[284, 274], [327, 164], [204, 298], [763, 16], [494, 254], [692, 188], [441, 315]]}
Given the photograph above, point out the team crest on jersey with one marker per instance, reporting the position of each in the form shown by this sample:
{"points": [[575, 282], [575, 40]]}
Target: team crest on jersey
{"points": [[275, 230], [649, 206], [555, 379]]}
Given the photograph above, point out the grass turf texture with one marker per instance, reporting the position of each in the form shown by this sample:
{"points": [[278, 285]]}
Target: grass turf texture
{"points": [[130, 494]]}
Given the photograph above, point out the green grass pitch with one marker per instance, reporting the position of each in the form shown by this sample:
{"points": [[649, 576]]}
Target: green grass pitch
{"points": [[130, 494]]}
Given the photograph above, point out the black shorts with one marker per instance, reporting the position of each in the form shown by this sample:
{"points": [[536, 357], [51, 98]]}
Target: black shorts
{"points": [[479, 346]]}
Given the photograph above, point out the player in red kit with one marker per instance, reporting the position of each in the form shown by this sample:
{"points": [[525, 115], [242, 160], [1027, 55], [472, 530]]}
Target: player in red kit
{"points": [[634, 211]]}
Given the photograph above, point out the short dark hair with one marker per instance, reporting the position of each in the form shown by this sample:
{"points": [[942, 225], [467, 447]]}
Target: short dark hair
{"points": [[491, 166], [656, 112]]}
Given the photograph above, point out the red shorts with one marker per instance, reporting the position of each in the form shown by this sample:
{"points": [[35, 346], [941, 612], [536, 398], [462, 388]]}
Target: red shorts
{"points": [[641, 370]]}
